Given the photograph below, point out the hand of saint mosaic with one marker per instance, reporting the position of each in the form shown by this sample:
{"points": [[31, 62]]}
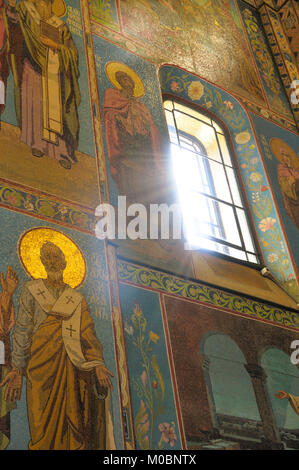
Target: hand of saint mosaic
{"points": [[281, 395], [14, 385], [102, 374], [8, 285]]}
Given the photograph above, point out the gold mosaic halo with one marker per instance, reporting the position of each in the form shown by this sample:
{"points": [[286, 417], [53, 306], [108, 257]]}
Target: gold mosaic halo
{"points": [[276, 144], [113, 67], [30, 244], [58, 8]]}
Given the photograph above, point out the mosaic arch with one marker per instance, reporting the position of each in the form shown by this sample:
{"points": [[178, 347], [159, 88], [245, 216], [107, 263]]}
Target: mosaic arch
{"points": [[273, 245]]}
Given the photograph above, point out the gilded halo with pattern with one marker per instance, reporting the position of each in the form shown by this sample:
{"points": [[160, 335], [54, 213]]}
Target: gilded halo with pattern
{"points": [[113, 67], [30, 244], [277, 144]]}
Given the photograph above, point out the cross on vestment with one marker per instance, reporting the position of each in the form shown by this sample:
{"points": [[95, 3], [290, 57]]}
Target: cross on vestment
{"points": [[69, 299], [41, 292], [71, 330]]}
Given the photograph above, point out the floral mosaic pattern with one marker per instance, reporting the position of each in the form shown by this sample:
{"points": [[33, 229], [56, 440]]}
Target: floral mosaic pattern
{"points": [[270, 235], [104, 11], [275, 92], [150, 388], [168, 284], [41, 206], [282, 52]]}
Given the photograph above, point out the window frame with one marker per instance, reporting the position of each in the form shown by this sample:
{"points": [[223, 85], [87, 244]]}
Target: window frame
{"points": [[239, 181]]}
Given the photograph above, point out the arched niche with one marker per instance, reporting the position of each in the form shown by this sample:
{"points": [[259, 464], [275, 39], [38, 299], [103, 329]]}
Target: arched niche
{"points": [[229, 378], [281, 375]]}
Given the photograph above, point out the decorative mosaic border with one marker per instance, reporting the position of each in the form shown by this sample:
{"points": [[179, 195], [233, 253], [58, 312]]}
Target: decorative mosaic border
{"points": [[174, 285], [41, 206], [282, 52], [267, 68], [124, 391], [268, 114]]}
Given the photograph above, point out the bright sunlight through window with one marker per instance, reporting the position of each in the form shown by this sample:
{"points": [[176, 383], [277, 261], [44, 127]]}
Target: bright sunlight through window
{"points": [[213, 210]]}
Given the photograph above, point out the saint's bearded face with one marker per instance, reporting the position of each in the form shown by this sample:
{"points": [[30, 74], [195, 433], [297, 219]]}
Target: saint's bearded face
{"points": [[53, 259], [125, 82]]}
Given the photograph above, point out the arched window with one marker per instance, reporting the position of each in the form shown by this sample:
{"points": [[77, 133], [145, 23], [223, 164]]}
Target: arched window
{"points": [[213, 210]]}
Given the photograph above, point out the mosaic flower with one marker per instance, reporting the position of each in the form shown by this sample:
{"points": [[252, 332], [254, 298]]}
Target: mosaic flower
{"points": [[129, 329], [254, 161], [28, 205], [229, 104], [153, 337], [256, 177], [267, 224], [168, 434], [63, 210], [264, 188], [255, 196], [195, 90], [12, 199], [243, 138], [272, 258], [265, 113], [175, 86], [137, 310]]}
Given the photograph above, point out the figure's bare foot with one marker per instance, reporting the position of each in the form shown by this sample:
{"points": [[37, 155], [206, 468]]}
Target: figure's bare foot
{"points": [[37, 153], [66, 164], [73, 157]]}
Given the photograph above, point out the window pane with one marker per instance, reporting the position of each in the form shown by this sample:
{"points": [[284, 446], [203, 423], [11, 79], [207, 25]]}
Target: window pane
{"points": [[171, 127], [213, 213], [211, 218], [224, 150], [202, 132], [230, 229], [218, 185], [168, 105], [245, 230], [217, 127], [234, 186], [192, 112], [252, 258], [186, 169]]}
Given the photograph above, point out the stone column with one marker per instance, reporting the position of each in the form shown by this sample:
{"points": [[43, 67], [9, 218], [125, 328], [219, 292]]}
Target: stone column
{"points": [[258, 376], [205, 367]]}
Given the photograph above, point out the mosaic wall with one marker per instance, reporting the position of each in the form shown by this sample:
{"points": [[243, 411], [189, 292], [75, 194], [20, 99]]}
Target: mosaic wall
{"points": [[280, 150], [226, 369], [74, 320], [170, 31]]}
